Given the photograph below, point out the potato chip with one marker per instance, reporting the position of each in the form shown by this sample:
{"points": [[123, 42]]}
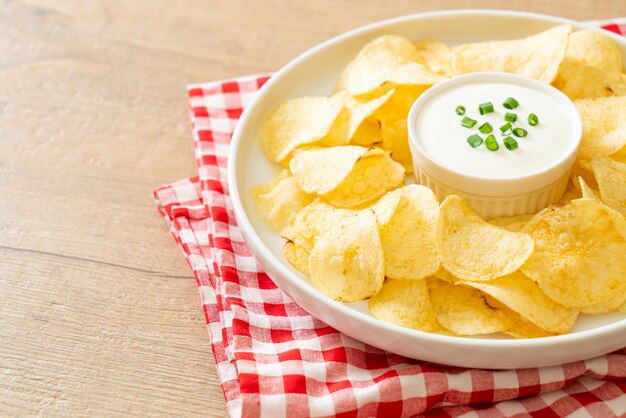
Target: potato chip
{"points": [[309, 224], [604, 307], [611, 178], [368, 134], [623, 308], [386, 59], [465, 311], [511, 223], [580, 82], [445, 275], [593, 48], [586, 191], [435, 55], [538, 56], [570, 194], [405, 303], [525, 329], [604, 126], [371, 178], [347, 262], [620, 156], [346, 176], [393, 124], [406, 220], [522, 295], [472, 249], [579, 171], [304, 120], [359, 110], [318, 171], [279, 201], [579, 253]]}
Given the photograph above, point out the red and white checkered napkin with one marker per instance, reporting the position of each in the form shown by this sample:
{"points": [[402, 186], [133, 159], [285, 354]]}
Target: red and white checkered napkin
{"points": [[275, 360]]}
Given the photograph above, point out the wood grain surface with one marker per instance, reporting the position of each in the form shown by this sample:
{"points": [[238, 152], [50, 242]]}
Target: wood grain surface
{"points": [[99, 314]]}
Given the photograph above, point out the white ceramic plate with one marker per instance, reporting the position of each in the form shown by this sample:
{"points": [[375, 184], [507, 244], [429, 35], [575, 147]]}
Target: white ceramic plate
{"points": [[315, 73]]}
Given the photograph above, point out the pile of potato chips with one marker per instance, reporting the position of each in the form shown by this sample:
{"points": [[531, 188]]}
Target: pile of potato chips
{"points": [[351, 222]]}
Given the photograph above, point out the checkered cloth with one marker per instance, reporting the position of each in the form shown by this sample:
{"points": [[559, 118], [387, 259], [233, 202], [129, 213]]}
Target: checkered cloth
{"points": [[276, 360]]}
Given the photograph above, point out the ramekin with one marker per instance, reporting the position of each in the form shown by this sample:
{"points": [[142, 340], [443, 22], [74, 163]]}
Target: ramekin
{"points": [[494, 197]]}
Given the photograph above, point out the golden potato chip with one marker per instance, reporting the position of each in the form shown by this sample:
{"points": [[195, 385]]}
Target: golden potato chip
{"points": [[393, 124], [347, 262], [386, 59], [611, 305], [538, 56], [586, 191], [304, 120], [522, 295], [580, 82], [579, 253], [579, 171], [368, 134], [604, 126], [570, 194], [359, 110], [525, 329], [406, 219], [279, 201], [405, 303], [472, 249], [593, 48], [465, 311], [346, 176], [623, 308], [619, 156], [309, 224], [371, 178], [511, 223], [611, 178], [445, 275], [435, 55], [318, 171]]}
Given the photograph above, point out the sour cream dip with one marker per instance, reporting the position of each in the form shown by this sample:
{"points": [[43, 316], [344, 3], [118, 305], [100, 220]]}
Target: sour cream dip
{"points": [[498, 182]]}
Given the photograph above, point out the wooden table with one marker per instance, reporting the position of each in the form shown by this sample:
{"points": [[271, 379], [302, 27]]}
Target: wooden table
{"points": [[99, 314]]}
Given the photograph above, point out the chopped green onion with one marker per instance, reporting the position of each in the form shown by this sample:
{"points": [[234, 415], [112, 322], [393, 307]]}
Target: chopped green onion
{"points": [[505, 128], [460, 110], [474, 140], [520, 132], [510, 117], [491, 143], [533, 120], [468, 122], [510, 143], [510, 103], [485, 128], [486, 107]]}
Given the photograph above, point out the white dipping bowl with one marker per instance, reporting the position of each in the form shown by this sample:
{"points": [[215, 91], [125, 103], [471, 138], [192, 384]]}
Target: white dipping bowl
{"points": [[500, 183]]}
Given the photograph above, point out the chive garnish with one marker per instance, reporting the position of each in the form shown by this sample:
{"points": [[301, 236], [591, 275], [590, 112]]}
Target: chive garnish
{"points": [[491, 143], [505, 128], [485, 128], [533, 120], [486, 107], [520, 132], [510, 143], [510, 117], [460, 110], [474, 140], [468, 122], [510, 103]]}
